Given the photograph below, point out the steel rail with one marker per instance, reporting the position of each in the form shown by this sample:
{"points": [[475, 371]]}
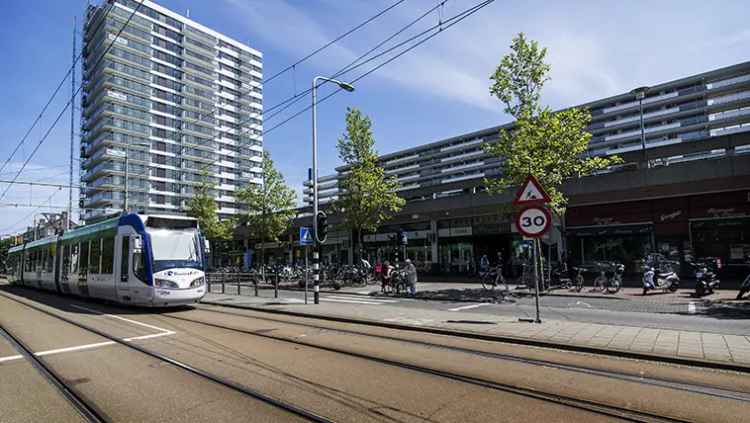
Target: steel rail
{"points": [[695, 388], [578, 403], [85, 408], [309, 415]]}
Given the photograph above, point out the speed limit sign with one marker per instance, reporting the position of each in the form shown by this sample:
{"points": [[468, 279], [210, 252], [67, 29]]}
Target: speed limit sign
{"points": [[533, 221]]}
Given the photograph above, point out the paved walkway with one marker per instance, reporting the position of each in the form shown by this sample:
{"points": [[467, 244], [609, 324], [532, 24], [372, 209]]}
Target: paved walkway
{"points": [[688, 345]]}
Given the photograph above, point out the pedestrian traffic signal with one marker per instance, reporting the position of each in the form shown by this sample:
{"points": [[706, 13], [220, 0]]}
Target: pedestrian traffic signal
{"points": [[322, 227], [402, 238]]}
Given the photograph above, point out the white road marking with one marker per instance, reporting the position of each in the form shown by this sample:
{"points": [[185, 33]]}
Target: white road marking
{"points": [[162, 332], [467, 307], [121, 318], [380, 300], [691, 308], [333, 300], [10, 358], [363, 292]]}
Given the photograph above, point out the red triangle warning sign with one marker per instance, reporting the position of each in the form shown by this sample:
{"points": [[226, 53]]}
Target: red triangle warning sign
{"points": [[531, 192]]}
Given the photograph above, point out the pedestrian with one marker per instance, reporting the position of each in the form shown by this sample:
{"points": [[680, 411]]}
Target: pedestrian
{"points": [[484, 264], [386, 276], [411, 277]]}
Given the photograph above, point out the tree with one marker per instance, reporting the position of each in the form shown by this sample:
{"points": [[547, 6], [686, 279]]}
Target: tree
{"points": [[202, 206], [551, 146], [368, 197], [270, 205]]}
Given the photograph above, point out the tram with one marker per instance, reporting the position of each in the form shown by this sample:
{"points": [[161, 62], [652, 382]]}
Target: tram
{"points": [[144, 260]]}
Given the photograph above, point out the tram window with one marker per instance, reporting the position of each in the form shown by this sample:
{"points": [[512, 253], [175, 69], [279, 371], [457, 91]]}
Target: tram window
{"points": [[139, 260], [65, 260], [95, 250], [74, 257], [108, 253], [51, 250], [42, 260], [84, 259], [124, 262]]}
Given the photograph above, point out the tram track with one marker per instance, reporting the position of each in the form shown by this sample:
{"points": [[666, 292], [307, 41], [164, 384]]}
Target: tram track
{"points": [[568, 401], [697, 388], [283, 405], [88, 411]]}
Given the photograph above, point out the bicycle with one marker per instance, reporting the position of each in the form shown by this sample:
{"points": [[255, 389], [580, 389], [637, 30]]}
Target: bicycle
{"points": [[492, 278], [610, 277]]}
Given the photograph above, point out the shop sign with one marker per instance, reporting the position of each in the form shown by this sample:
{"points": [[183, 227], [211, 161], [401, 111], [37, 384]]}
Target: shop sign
{"points": [[670, 216], [605, 221], [728, 212]]}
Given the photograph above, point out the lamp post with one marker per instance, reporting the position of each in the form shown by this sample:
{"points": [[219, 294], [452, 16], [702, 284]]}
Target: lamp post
{"points": [[640, 94], [316, 254]]}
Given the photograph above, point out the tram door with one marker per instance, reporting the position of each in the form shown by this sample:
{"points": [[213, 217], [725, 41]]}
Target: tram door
{"points": [[122, 272]]}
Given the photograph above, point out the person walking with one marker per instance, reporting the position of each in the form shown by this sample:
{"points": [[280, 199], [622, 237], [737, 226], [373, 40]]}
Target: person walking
{"points": [[411, 277]]}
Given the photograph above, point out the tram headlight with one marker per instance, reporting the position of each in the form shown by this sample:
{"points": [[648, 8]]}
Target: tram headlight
{"points": [[198, 282], [163, 283]]}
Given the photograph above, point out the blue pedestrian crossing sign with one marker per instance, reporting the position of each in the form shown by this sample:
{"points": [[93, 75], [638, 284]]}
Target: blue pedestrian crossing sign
{"points": [[305, 236]]}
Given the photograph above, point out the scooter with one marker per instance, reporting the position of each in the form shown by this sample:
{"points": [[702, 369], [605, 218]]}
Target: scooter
{"points": [[705, 280], [668, 280], [744, 288]]}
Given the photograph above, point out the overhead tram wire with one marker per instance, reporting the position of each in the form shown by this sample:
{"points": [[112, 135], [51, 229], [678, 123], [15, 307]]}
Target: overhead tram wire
{"points": [[444, 25], [293, 66], [441, 26], [44, 109], [70, 102], [351, 66], [330, 43], [343, 70]]}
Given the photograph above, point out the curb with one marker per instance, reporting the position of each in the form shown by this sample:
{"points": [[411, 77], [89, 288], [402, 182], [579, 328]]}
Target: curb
{"points": [[709, 364], [520, 294]]}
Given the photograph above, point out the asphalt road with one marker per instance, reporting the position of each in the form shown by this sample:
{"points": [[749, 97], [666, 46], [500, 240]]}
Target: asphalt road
{"points": [[656, 311], [342, 371]]}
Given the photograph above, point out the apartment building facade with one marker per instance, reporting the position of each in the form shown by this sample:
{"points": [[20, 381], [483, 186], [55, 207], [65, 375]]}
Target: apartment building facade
{"points": [[685, 194], [182, 102]]}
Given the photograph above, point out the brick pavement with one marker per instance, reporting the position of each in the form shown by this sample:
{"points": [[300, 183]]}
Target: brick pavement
{"points": [[690, 345]]}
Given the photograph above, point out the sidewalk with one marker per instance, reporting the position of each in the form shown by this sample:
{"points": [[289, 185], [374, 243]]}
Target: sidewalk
{"points": [[677, 346], [465, 291]]}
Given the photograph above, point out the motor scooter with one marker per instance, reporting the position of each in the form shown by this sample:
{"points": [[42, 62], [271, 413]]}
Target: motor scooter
{"points": [[705, 280], [744, 288], [666, 280]]}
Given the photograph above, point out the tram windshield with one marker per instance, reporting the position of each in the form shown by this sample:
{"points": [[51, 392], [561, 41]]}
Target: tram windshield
{"points": [[176, 248]]}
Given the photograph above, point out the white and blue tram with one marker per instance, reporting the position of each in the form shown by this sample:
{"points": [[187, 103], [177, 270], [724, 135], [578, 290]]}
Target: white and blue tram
{"points": [[144, 260]]}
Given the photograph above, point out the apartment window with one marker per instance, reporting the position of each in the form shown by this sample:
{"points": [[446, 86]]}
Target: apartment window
{"points": [[174, 73]]}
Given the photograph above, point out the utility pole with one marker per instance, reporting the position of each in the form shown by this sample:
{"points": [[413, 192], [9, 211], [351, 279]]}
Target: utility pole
{"points": [[72, 127]]}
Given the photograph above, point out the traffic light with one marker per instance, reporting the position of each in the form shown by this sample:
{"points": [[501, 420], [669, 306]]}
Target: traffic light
{"points": [[322, 227], [402, 238]]}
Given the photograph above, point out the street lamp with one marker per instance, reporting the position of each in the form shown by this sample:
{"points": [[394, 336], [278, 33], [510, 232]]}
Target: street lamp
{"points": [[640, 94], [127, 166], [347, 87]]}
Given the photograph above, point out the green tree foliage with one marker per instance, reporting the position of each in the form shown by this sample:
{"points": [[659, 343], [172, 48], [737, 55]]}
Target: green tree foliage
{"points": [[202, 206], [270, 205], [368, 196], [551, 146]]}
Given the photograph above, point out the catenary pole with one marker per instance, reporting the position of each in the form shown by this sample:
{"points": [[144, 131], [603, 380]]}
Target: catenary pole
{"points": [[72, 126]]}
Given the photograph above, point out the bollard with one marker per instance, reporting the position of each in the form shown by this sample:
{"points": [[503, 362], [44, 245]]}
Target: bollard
{"points": [[316, 276], [239, 286]]}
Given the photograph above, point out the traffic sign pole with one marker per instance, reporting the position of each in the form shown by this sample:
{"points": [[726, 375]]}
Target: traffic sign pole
{"points": [[533, 222], [307, 272]]}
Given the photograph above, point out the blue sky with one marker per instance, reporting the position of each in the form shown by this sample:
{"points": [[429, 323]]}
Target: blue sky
{"points": [[596, 49]]}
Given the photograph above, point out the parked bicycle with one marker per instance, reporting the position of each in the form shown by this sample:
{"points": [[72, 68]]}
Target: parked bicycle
{"points": [[610, 277]]}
